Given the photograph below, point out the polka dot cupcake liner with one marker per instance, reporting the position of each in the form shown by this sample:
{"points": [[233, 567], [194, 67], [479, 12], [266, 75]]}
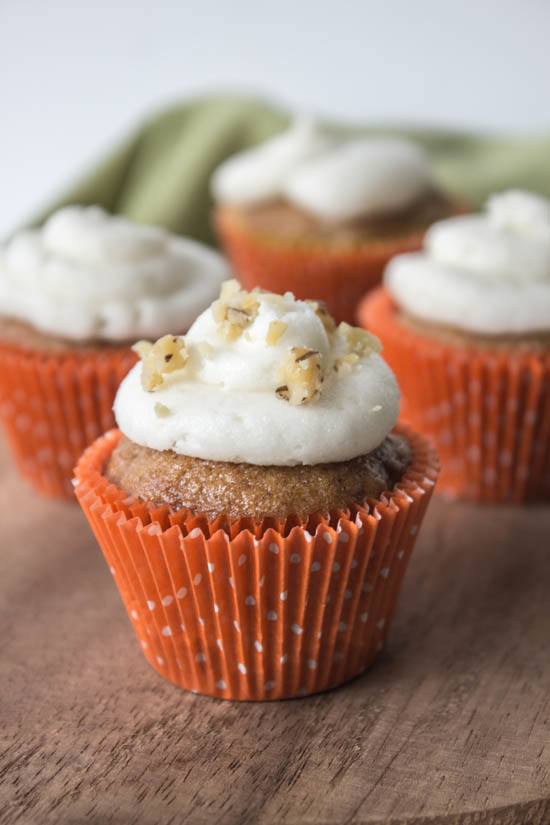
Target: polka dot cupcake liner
{"points": [[338, 276], [52, 405], [487, 412], [254, 611]]}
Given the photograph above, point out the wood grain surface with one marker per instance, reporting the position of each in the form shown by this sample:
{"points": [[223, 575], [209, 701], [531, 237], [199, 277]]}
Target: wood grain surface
{"points": [[451, 725]]}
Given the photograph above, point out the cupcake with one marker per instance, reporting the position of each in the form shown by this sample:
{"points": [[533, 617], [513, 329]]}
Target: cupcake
{"points": [[466, 327], [73, 294], [320, 216], [258, 506]]}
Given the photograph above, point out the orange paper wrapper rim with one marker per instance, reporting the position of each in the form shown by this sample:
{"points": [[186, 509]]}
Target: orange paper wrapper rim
{"points": [[488, 412], [54, 404], [253, 611]]}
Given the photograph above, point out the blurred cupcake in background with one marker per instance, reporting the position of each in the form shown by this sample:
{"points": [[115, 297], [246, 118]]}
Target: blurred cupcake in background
{"points": [[466, 326], [257, 507], [321, 216], [73, 294]]}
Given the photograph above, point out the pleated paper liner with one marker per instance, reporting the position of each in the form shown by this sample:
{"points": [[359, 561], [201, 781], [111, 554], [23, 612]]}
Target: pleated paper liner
{"points": [[52, 405], [338, 276], [487, 412], [247, 610]]}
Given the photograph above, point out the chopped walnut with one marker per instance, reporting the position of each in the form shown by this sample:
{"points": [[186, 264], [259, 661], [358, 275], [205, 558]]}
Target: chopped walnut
{"points": [[142, 348], [359, 343], [301, 376], [237, 316], [168, 354], [218, 311], [229, 288], [359, 340], [274, 332], [344, 364], [161, 410], [320, 309], [234, 310]]}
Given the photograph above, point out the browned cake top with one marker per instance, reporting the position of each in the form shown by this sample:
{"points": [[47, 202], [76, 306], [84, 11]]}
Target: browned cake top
{"points": [[249, 490], [524, 342], [284, 220], [25, 336]]}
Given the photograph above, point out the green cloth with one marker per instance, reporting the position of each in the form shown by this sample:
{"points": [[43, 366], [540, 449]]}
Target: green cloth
{"points": [[160, 173]]}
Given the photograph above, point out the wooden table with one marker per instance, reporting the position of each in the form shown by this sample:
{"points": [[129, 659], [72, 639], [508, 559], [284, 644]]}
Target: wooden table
{"points": [[451, 725]]}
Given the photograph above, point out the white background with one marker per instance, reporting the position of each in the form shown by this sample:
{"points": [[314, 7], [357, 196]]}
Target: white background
{"points": [[74, 76]]}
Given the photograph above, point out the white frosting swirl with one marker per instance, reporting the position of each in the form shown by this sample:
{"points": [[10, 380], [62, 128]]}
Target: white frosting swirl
{"points": [[90, 275], [366, 177], [485, 273], [334, 180], [259, 173], [222, 406]]}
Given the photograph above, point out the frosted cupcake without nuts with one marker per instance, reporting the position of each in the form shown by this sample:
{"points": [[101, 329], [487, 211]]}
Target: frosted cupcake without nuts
{"points": [[73, 295], [262, 445], [322, 216], [466, 326]]}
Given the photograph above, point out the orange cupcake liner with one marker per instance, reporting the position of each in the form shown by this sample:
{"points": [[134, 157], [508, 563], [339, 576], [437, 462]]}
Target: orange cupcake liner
{"points": [[253, 611], [52, 405], [338, 276], [487, 412]]}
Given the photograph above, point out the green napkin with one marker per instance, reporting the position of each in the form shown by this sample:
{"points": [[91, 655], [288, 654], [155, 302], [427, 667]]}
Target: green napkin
{"points": [[160, 174]]}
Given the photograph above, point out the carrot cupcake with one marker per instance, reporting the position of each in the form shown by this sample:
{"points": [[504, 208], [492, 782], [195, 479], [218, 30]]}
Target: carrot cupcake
{"points": [[72, 295], [321, 216], [466, 326], [258, 506]]}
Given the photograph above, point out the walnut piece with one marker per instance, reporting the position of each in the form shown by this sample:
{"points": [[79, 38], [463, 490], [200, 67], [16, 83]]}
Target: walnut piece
{"points": [[359, 343], [344, 364], [274, 332], [301, 376], [161, 410], [229, 288], [234, 310], [320, 309], [142, 348], [359, 340], [168, 354]]}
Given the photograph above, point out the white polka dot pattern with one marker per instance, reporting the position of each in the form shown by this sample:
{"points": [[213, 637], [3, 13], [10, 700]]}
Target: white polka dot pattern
{"points": [[235, 619], [487, 412], [52, 407]]}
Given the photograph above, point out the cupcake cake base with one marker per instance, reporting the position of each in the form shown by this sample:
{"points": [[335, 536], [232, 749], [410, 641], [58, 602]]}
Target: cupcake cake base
{"points": [[486, 409], [53, 404], [338, 275], [258, 610], [166, 477]]}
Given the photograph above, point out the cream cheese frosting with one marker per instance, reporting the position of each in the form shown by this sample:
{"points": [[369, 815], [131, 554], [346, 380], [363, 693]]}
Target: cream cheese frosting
{"points": [[230, 401], [334, 180], [86, 274], [360, 178], [487, 273], [259, 173]]}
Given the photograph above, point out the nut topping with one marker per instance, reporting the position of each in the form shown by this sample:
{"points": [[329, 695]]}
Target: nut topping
{"points": [[301, 376], [161, 410], [168, 354], [320, 309], [274, 332], [228, 289], [359, 340], [234, 310], [359, 343]]}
